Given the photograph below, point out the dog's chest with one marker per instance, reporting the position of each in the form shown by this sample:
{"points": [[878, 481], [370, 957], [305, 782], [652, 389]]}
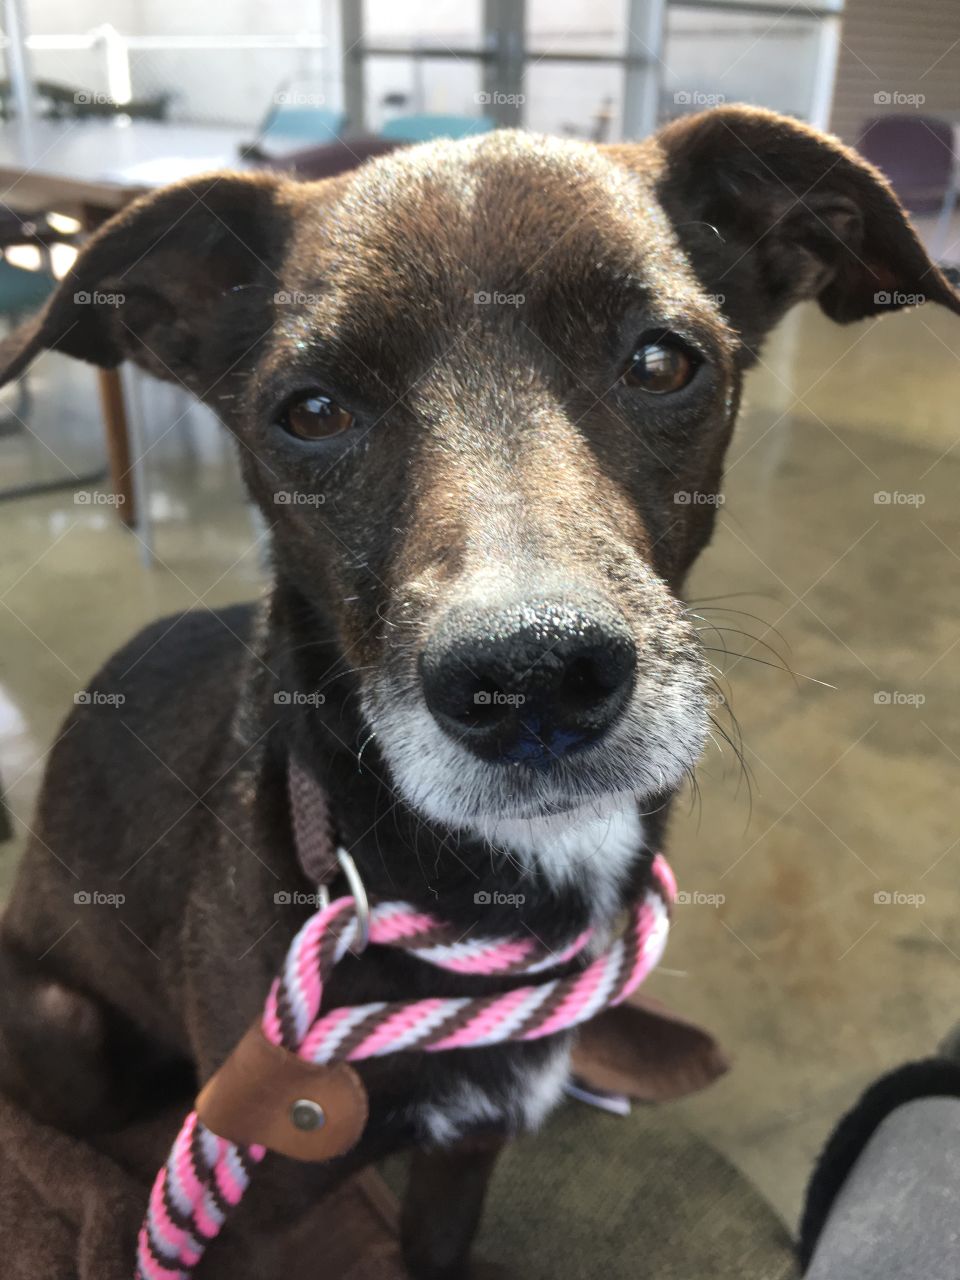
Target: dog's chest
{"points": [[517, 1102]]}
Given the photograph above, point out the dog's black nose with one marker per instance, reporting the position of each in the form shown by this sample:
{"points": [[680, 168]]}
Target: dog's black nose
{"points": [[531, 682]]}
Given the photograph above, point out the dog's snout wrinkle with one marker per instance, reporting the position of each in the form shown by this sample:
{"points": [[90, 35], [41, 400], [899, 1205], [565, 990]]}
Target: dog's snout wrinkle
{"points": [[529, 682]]}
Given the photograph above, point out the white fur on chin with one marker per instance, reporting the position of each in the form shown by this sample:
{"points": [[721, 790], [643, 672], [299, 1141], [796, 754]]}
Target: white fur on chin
{"points": [[593, 846]]}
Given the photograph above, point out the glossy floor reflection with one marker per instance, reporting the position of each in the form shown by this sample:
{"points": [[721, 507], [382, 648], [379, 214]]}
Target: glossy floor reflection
{"points": [[821, 941]]}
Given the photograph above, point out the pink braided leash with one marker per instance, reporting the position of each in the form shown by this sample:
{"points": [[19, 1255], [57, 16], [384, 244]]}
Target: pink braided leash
{"points": [[205, 1176]]}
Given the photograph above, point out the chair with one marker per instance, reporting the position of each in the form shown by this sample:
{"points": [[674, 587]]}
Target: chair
{"points": [[309, 164], [287, 124], [22, 292], [918, 156], [422, 128]]}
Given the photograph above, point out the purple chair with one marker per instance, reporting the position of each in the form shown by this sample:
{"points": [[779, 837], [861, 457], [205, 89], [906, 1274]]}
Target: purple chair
{"points": [[918, 155], [326, 160]]}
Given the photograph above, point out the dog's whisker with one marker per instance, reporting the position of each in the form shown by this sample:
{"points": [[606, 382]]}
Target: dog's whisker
{"points": [[749, 657], [745, 613], [738, 631], [737, 749]]}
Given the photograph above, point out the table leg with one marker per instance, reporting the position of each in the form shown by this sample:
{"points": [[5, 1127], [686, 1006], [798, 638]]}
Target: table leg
{"points": [[118, 443]]}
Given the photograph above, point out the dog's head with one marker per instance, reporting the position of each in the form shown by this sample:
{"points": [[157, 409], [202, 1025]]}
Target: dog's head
{"points": [[482, 392]]}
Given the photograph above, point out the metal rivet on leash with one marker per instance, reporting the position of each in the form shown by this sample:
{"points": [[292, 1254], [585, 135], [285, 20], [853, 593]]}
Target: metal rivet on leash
{"points": [[307, 1115]]}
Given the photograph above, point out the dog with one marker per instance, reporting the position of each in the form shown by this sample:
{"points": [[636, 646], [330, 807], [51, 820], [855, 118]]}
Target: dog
{"points": [[481, 391]]}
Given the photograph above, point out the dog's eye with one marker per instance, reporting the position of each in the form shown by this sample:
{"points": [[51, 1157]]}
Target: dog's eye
{"points": [[315, 417], [661, 366]]}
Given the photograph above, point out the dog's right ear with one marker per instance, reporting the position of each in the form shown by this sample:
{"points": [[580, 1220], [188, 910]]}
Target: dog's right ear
{"points": [[167, 283]]}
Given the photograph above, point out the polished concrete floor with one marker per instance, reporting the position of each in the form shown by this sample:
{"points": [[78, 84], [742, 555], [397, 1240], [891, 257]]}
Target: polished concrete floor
{"points": [[822, 939]]}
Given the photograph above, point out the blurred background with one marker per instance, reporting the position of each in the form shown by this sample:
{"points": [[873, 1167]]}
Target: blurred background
{"points": [[820, 938]]}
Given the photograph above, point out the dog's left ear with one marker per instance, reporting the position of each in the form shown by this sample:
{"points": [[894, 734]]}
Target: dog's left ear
{"points": [[770, 212]]}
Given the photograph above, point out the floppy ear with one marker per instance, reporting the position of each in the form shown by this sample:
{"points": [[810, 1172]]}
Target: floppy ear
{"points": [[166, 283], [770, 212]]}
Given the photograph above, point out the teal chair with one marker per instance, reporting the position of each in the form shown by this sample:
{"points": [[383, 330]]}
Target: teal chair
{"points": [[22, 292], [301, 125], [421, 128]]}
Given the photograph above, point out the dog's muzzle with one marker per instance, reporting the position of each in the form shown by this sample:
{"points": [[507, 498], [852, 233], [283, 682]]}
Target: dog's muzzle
{"points": [[529, 682]]}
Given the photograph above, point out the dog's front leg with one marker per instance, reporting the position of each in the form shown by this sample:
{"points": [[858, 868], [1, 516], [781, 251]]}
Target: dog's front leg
{"points": [[443, 1205]]}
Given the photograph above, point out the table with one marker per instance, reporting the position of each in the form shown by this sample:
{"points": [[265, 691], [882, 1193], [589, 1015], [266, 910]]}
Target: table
{"points": [[91, 169]]}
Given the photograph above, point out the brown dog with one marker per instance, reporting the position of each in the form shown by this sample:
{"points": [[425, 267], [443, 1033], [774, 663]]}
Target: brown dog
{"points": [[482, 392]]}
